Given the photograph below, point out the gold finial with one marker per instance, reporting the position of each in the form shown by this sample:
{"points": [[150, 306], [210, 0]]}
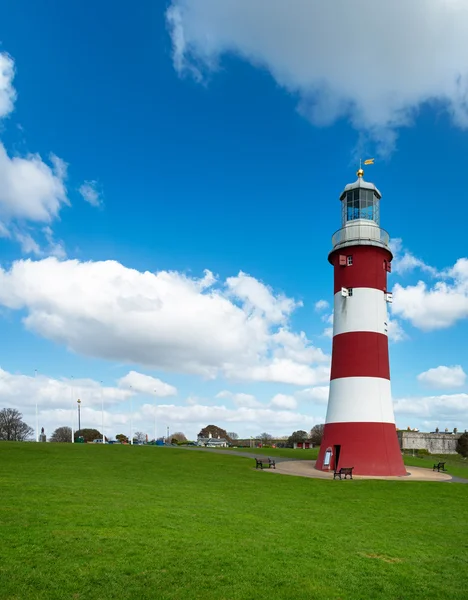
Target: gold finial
{"points": [[360, 172]]}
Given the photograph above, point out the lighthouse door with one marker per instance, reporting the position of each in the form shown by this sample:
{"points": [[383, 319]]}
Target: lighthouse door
{"points": [[337, 456]]}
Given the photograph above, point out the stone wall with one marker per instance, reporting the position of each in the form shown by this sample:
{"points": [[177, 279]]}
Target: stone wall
{"points": [[435, 443]]}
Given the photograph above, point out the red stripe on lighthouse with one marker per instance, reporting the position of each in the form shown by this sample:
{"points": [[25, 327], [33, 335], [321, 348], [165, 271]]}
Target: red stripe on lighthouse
{"points": [[368, 268], [360, 354], [371, 448]]}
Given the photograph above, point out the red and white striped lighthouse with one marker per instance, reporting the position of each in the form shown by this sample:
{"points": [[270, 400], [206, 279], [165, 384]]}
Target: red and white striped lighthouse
{"points": [[360, 427]]}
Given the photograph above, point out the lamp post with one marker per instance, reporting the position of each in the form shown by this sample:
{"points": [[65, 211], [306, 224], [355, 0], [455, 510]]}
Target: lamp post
{"points": [[131, 416], [102, 413], [37, 415], [79, 414], [155, 418], [73, 420]]}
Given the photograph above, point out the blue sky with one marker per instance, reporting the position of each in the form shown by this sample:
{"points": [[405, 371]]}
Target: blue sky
{"points": [[218, 137]]}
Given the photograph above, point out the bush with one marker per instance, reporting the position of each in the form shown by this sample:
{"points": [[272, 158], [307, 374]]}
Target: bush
{"points": [[462, 445]]}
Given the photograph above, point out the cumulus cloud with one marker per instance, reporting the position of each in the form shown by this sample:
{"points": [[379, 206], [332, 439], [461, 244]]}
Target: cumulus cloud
{"points": [[436, 307], [240, 399], [396, 332], [26, 390], [316, 395], [89, 192], [251, 419], [447, 407], [164, 320], [147, 384], [7, 91], [284, 401], [405, 262], [321, 305], [443, 377], [341, 58], [56, 401], [30, 189]]}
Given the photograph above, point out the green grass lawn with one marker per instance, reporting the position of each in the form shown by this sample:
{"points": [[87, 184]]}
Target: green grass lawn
{"points": [[103, 522]]}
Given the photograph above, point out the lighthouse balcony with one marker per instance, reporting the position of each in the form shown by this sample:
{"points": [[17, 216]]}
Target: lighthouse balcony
{"points": [[361, 232]]}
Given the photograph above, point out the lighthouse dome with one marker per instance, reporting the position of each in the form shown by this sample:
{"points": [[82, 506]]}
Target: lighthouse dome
{"points": [[360, 184]]}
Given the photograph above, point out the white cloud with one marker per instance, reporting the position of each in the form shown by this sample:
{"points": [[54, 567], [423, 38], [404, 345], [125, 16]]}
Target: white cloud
{"points": [[240, 399], [25, 390], [341, 58], [405, 262], [436, 307], [443, 377], [328, 331], [28, 244], [396, 332], [252, 419], [259, 299], [284, 401], [316, 395], [90, 193], [30, 189], [447, 407], [7, 91], [164, 320], [147, 384], [321, 305]]}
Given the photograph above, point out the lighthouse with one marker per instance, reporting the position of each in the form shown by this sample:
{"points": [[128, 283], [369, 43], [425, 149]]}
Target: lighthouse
{"points": [[360, 427]]}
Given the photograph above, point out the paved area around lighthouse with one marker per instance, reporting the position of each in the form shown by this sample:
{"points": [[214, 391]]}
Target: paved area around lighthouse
{"points": [[306, 468]]}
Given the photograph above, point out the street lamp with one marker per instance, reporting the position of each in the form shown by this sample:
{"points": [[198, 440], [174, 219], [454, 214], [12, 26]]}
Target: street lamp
{"points": [[73, 420], [37, 414], [131, 416], [155, 407], [102, 413], [79, 415]]}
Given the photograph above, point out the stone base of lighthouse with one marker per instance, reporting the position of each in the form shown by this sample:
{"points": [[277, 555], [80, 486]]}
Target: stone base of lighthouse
{"points": [[371, 448]]}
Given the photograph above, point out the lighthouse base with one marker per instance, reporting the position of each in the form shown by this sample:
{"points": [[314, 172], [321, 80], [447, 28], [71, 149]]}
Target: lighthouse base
{"points": [[371, 448]]}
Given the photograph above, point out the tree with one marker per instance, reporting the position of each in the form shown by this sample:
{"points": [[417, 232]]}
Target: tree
{"points": [[178, 436], [12, 426], [88, 434], [139, 436], [462, 445], [215, 432], [123, 439], [296, 437], [265, 437], [233, 435], [62, 434], [316, 434]]}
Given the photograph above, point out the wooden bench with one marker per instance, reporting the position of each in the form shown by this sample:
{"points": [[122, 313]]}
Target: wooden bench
{"points": [[265, 462], [439, 466], [344, 471]]}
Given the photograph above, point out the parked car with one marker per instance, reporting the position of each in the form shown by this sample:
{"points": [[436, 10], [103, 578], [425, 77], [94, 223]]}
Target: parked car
{"points": [[99, 441]]}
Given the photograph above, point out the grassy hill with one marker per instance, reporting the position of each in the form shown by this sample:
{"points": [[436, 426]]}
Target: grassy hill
{"points": [[102, 522]]}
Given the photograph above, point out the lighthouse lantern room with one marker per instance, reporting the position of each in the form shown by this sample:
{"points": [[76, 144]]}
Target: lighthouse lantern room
{"points": [[360, 427]]}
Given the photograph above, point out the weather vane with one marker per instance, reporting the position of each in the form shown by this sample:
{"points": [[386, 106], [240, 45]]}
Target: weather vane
{"points": [[368, 161]]}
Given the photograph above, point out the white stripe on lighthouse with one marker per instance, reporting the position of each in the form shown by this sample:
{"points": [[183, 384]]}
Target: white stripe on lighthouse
{"points": [[365, 310], [360, 400]]}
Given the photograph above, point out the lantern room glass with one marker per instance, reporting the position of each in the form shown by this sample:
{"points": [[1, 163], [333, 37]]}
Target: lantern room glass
{"points": [[360, 204]]}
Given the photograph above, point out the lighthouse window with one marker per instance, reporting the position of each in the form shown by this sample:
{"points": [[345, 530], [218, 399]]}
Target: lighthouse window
{"points": [[361, 204], [349, 260]]}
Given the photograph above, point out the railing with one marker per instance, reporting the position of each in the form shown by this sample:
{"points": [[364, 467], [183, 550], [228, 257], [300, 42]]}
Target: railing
{"points": [[360, 231]]}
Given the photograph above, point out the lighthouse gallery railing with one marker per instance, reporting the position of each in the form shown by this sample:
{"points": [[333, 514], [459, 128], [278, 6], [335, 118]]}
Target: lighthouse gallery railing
{"points": [[360, 231]]}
